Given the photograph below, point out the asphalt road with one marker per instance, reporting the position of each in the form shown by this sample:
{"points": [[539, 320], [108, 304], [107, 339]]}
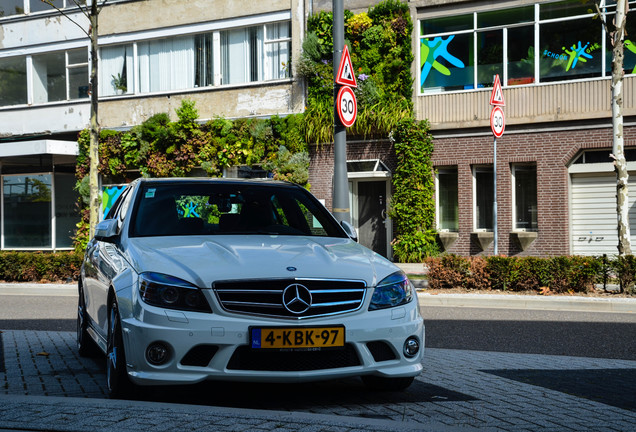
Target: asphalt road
{"points": [[580, 334], [601, 335]]}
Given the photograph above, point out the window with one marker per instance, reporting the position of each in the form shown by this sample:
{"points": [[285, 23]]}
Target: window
{"points": [[446, 63], [447, 199], [629, 59], [49, 78], [60, 76], [239, 55], [56, 76], [204, 208], [246, 54], [570, 50], [27, 210], [520, 63], [489, 56], [525, 197], [115, 70], [77, 69], [277, 40], [166, 64], [66, 216], [13, 82], [29, 219], [19, 7], [483, 198], [39, 5], [466, 51], [11, 7]]}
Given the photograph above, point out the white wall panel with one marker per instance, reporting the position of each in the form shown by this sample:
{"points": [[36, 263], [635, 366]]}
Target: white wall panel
{"points": [[594, 223]]}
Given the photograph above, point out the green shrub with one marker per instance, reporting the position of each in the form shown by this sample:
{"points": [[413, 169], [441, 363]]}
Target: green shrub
{"points": [[17, 266], [624, 268], [558, 275]]}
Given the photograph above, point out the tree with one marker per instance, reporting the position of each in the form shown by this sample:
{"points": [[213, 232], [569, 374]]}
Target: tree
{"points": [[617, 39], [91, 10]]}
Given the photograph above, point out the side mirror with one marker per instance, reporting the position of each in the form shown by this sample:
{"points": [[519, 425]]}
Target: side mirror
{"points": [[106, 230], [350, 230]]}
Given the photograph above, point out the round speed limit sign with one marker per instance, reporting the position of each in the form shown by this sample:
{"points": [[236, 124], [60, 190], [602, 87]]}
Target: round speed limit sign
{"points": [[347, 106], [497, 121]]}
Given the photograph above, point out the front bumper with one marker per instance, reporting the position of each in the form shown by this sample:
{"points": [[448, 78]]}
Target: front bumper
{"points": [[216, 346]]}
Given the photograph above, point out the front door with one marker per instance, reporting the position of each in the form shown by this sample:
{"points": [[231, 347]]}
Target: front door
{"points": [[372, 229]]}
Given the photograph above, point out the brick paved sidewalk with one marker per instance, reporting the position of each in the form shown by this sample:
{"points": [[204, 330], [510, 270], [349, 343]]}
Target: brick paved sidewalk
{"points": [[42, 380]]}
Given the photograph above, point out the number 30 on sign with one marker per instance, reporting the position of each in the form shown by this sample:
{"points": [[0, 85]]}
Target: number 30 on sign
{"points": [[497, 121], [347, 106]]}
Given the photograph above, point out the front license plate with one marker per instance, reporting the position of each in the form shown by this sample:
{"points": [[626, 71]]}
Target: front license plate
{"points": [[298, 337]]}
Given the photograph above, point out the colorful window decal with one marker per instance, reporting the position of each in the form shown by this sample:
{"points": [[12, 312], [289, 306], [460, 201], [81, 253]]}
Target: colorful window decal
{"points": [[436, 48], [109, 196]]}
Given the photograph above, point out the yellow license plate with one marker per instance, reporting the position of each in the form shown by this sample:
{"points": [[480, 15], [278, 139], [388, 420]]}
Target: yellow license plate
{"points": [[297, 337]]}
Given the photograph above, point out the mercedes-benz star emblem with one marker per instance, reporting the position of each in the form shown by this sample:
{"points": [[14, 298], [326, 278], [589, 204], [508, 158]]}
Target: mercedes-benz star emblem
{"points": [[296, 298]]}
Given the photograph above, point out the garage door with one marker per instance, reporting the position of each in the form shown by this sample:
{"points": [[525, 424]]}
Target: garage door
{"points": [[594, 213]]}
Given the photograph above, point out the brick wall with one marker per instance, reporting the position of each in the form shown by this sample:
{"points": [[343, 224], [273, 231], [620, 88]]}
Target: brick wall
{"points": [[551, 152]]}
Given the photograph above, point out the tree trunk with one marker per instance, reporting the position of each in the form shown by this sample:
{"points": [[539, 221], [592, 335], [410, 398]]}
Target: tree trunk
{"points": [[620, 164], [93, 180]]}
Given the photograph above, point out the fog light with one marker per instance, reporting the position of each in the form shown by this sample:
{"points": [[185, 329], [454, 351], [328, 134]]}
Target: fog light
{"points": [[157, 353], [411, 347]]}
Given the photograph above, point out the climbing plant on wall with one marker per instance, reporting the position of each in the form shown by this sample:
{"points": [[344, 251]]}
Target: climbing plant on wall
{"points": [[412, 205], [380, 46], [160, 147]]}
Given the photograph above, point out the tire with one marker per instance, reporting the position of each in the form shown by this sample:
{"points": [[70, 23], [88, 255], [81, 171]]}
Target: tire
{"points": [[86, 346], [117, 382], [387, 384]]}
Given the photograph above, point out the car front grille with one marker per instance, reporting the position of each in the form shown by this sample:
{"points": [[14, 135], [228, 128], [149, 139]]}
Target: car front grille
{"points": [[245, 358], [290, 298]]}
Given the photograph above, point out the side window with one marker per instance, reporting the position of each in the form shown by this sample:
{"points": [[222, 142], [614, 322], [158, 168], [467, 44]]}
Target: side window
{"points": [[120, 206], [314, 224]]}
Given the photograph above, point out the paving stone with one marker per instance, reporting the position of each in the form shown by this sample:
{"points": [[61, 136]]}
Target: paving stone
{"points": [[454, 393]]}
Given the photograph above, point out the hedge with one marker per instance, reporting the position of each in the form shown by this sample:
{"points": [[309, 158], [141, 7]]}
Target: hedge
{"points": [[39, 266], [559, 275]]}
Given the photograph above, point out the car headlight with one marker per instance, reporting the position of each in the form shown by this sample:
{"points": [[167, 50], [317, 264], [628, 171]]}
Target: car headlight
{"points": [[394, 290], [170, 292]]}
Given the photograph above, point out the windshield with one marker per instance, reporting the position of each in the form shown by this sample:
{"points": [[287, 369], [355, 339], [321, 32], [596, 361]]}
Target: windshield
{"points": [[167, 209]]}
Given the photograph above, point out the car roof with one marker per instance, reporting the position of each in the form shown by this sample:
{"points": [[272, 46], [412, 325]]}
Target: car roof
{"points": [[203, 180]]}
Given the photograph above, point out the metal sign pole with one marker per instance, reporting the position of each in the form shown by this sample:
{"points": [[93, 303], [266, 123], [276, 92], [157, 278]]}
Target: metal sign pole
{"points": [[340, 206], [494, 206]]}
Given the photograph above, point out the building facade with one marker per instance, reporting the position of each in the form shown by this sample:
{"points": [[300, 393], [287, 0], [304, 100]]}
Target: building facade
{"points": [[555, 185], [233, 61], [554, 175]]}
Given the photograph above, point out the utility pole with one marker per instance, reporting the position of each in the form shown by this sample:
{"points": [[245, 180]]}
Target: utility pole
{"points": [[340, 206]]}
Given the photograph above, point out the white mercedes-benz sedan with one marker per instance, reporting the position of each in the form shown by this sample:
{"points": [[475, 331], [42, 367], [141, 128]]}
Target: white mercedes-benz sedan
{"points": [[189, 280]]}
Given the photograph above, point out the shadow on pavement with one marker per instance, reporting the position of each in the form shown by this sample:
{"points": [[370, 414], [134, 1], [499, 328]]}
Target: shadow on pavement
{"points": [[304, 396], [615, 387]]}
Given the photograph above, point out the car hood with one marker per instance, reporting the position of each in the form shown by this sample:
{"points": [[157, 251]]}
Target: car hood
{"points": [[205, 259]]}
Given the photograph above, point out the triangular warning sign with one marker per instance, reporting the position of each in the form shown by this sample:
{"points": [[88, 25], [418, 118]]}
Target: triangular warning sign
{"points": [[346, 76], [497, 98]]}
